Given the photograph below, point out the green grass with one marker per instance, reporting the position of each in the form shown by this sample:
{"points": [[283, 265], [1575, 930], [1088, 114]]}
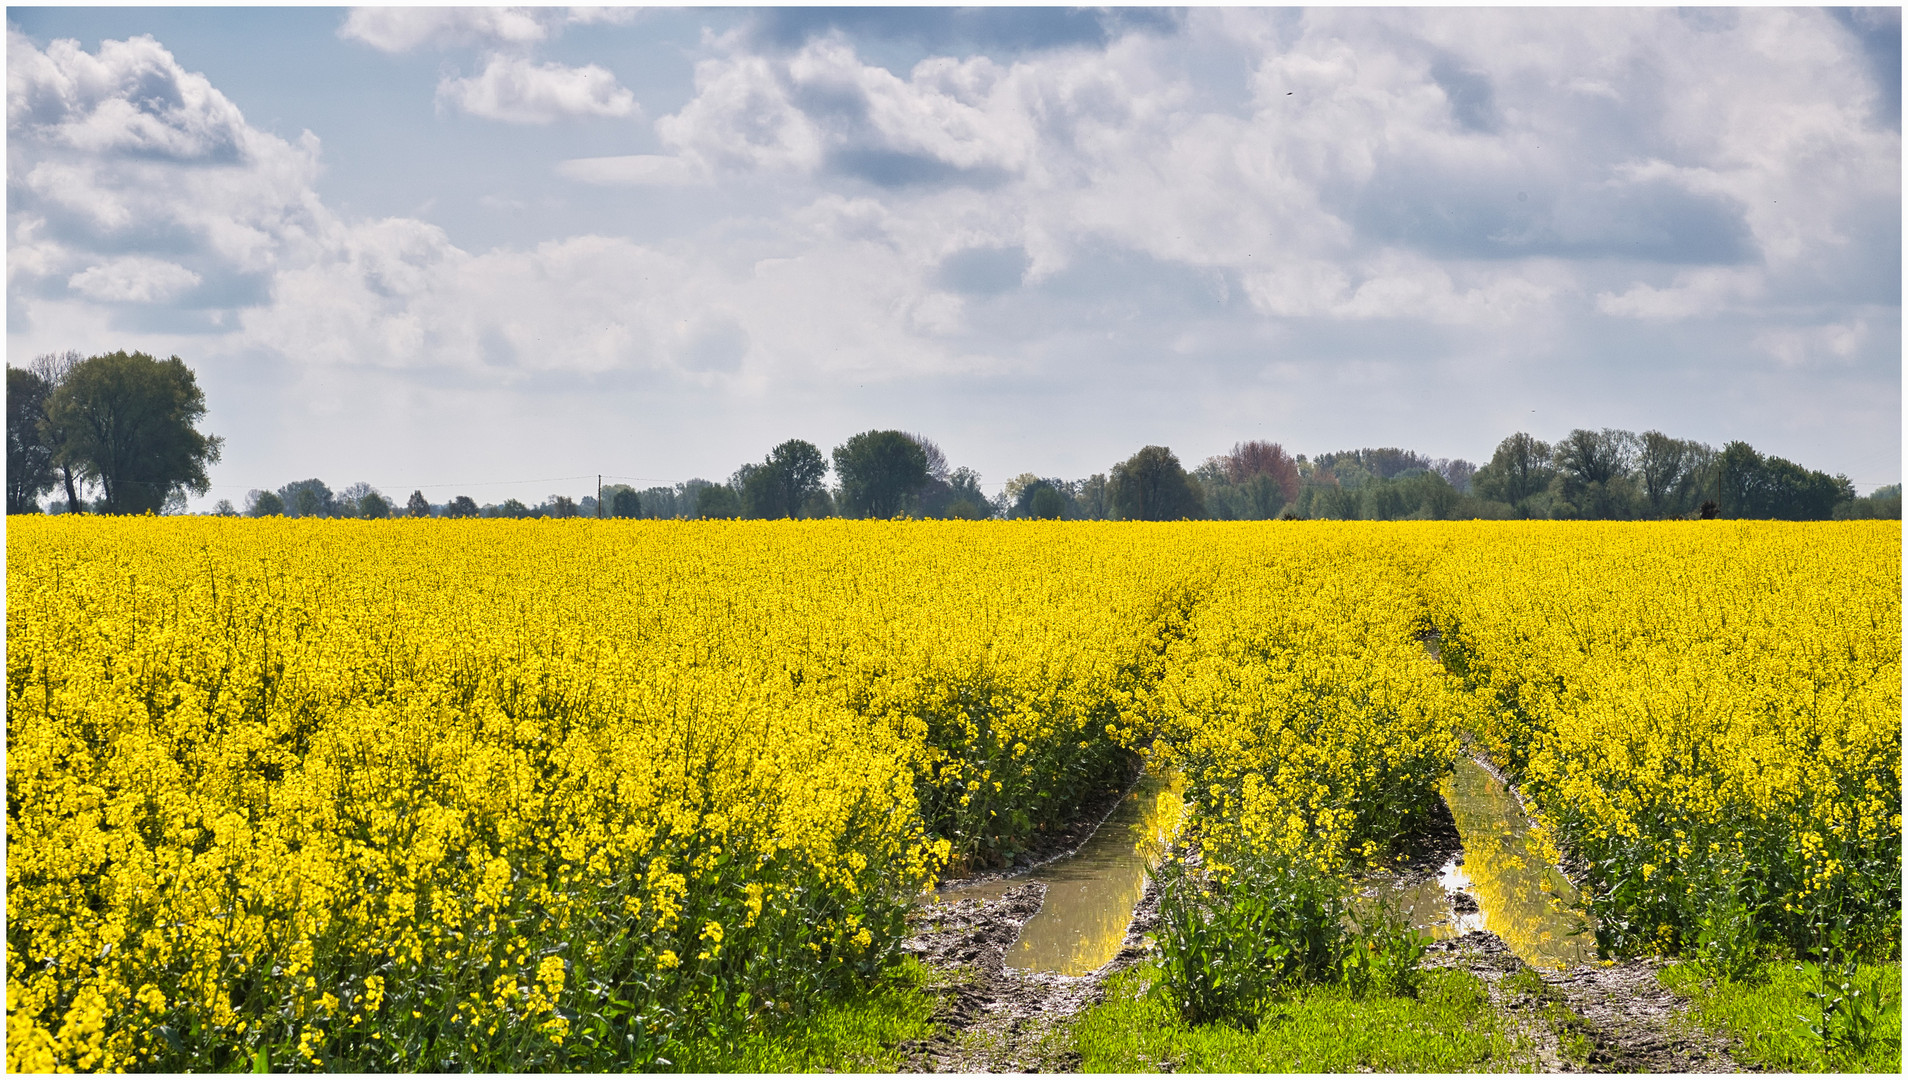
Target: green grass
{"points": [[1448, 1027], [1766, 1013], [858, 1034], [1526, 990]]}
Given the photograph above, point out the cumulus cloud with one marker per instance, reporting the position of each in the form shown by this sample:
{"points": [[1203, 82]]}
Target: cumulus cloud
{"points": [[1336, 187], [519, 91], [123, 167], [1440, 135], [1802, 347], [401, 29], [134, 279]]}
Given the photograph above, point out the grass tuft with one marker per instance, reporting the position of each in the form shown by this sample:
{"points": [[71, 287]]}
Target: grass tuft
{"points": [[860, 1033], [1449, 1026], [1776, 1014]]}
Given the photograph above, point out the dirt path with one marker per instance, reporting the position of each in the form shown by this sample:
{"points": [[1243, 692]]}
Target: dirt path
{"points": [[993, 1018], [1590, 1018]]}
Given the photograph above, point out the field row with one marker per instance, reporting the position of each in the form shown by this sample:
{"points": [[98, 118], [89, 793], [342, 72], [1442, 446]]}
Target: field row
{"points": [[564, 795]]}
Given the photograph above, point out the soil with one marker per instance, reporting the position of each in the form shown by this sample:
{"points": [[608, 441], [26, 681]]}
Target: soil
{"points": [[992, 1018], [1612, 1017]]}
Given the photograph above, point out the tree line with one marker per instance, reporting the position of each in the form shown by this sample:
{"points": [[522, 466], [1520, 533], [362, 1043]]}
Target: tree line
{"points": [[123, 424]]}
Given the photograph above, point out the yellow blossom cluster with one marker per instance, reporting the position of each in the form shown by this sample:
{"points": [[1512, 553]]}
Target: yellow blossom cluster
{"points": [[1707, 712], [506, 796], [1300, 702], [254, 764]]}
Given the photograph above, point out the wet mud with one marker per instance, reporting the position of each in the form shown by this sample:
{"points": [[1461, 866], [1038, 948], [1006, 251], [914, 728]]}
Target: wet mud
{"points": [[1592, 1017], [1571, 1014], [995, 1018]]}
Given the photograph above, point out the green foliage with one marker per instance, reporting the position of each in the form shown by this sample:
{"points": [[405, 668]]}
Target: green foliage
{"points": [[1519, 469], [1754, 486], [1449, 1026], [1725, 945], [127, 424], [879, 471], [1727, 917], [857, 1032], [1836, 1017], [1883, 502], [307, 498], [1385, 953], [782, 486], [718, 501], [1151, 486], [29, 456], [957, 496], [1232, 941]]}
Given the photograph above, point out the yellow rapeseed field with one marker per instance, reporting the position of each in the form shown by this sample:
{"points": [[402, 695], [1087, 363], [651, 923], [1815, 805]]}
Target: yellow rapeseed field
{"points": [[502, 795], [1705, 713]]}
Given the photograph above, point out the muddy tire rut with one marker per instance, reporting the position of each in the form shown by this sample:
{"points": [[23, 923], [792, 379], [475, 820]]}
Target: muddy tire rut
{"points": [[992, 1018], [1589, 1018]]}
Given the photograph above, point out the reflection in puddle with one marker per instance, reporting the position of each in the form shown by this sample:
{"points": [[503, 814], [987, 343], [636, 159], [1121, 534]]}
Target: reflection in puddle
{"points": [[1524, 899], [1500, 883], [1091, 894]]}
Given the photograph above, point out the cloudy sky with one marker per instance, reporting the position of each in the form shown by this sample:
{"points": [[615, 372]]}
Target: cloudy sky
{"points": [[460, 248]]}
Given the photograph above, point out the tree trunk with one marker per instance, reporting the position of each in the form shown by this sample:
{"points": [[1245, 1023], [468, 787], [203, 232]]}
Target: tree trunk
{"points": [[72, 496]]}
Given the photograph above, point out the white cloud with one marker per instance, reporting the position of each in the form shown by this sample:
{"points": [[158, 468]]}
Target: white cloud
{"points": [[742, 118], [129, 99], [135, 279], [122, 152], [1804, 347], [518, 91], [401, 29], [1693, 293], [1325, 194]]}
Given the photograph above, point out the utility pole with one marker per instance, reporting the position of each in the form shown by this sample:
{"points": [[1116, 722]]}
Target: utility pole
{"points": [[599, 496]]}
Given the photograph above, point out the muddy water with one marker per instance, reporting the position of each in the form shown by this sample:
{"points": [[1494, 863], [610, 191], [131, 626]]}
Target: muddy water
{"points": [[1091, 893], [1521, 896], [1501, 883]]}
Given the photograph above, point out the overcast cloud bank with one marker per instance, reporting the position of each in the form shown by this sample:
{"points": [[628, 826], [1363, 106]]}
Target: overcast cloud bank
{"points": [[1073, 237]]}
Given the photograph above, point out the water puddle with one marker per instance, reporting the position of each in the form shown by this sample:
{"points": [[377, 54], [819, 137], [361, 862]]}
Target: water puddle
{"points": [[1091, 893], [1502, 882]]}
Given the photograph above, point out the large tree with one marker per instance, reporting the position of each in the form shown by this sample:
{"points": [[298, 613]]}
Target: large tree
{"points": [[53, 368], [309, 498], [1518, 469], [1251, 459], [30, 471], [1671, 471], [1588, 457], [126, 422], [879, 470], [1152, 486], [784, 483], [1754, 486]]}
